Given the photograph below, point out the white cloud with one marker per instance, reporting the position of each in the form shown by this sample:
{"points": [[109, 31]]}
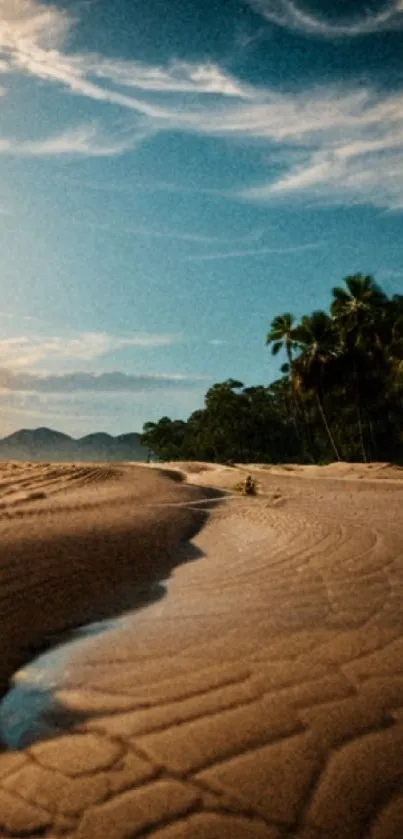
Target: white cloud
{"points": [[248, 253], [31, 40], [23, 351], [175, 235], [26, 22], [325, 177], [177, 77], [86, 140], [299, 118], [24, 383], [291, 15], [356, 156], [337, 144]]}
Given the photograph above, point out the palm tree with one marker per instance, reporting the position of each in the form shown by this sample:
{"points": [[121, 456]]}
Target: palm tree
{"points": [[394, 351], [363, 293], [359, 311], [314, 368], [281, 335]]}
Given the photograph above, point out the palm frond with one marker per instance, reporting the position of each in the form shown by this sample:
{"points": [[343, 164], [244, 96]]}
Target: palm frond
{"points": [[277, 346]]}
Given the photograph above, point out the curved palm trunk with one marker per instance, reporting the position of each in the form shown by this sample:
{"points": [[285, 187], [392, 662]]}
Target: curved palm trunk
{"points": [[304, 433], [311, 447], [298, 409], [303, 429], [374, 452], [359, 414], [361, 431], [294, 411], [327, 426]]}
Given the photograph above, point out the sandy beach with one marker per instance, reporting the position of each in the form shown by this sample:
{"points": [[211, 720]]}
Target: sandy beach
{"points": [[254, 689]]}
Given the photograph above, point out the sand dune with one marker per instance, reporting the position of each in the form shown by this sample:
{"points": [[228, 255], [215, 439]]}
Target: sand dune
{"points": [[75, 541], [261, 697]]}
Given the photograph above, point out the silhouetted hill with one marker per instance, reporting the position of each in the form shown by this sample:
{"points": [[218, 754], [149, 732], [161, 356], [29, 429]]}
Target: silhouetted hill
{"points": [[49, 445]]}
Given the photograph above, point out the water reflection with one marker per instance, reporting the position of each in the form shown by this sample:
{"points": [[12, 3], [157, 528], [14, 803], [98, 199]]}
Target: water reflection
{"points": [[30, 711]]}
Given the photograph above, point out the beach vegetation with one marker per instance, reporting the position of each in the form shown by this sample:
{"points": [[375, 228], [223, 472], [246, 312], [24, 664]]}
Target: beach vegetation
{"points": [[339, 395]]}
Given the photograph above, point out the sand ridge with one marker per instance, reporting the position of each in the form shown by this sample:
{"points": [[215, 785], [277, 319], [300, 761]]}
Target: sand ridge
{"points": [[75, 541], [261, 697]]}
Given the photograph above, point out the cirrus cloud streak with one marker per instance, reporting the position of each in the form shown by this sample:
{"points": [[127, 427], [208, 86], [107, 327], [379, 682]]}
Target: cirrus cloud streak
{"points": [[340, 143], [291, 15], [23, 351], [116, 381]]}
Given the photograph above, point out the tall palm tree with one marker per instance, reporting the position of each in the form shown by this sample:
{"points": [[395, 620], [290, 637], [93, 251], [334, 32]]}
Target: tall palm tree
{"points": [[359, 312], [359, 309], [394, 352], [281, 336], [314, 368]]}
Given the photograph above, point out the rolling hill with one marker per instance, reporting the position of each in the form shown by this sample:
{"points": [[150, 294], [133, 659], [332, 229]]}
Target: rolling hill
{"points": [[45, 444]]}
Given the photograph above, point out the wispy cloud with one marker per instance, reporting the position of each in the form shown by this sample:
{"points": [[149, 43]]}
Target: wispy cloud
{"points": [[340, 144], [136, 186], [25, 23], [291, 15], [116, 381], [178, 77], [152, 233], [20, 354], [296, 119], [32, 37], [176, 235], [23, 351], [349, 145], [248, 253], [85, 139]]}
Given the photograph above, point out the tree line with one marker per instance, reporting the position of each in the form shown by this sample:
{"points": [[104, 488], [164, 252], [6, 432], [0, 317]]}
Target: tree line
{"points": [[339, 396]]}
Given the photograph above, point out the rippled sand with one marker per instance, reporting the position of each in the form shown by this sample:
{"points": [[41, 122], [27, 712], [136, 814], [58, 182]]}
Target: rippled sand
{"points": [[262, 696]]}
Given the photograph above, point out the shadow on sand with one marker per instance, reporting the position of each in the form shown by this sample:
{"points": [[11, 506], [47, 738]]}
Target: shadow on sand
{"points": [[29, 710]]}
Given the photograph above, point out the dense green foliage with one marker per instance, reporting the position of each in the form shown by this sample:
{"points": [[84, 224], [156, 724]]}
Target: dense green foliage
{"points": [[340, 395]]}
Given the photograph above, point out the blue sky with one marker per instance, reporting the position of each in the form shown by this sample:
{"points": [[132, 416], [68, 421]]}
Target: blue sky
{"points": [[172, 175]]}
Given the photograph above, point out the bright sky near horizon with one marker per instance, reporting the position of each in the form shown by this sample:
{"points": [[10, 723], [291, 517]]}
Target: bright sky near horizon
{"points": [[173, 175]]}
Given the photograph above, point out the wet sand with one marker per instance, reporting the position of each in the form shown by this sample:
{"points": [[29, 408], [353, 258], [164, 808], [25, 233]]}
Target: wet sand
{"points": [[262, 696]]}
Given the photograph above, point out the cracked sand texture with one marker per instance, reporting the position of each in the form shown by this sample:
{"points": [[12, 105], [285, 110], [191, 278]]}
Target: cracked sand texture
{"points": [[261, 698]]}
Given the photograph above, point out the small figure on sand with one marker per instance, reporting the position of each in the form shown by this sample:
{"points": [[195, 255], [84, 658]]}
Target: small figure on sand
{"points": [[249, 487]]}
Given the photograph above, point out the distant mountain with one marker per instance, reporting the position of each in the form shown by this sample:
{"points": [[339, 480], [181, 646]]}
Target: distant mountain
{"points": [[49, 445]]}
